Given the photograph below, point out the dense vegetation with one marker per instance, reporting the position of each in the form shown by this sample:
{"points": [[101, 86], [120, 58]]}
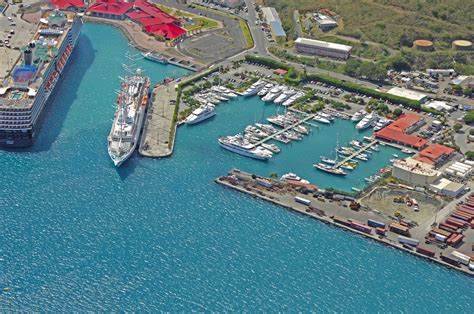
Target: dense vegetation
{"points": [[395, 24]]}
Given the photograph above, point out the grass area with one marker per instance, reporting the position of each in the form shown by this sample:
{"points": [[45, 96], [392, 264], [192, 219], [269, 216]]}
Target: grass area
{"points": [[200, 21], [395, 24], [243, 25]]}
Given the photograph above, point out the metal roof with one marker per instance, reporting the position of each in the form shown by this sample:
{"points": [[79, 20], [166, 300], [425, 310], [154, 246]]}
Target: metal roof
{"points": [[277, 29], [323, 44], [270, 14]]}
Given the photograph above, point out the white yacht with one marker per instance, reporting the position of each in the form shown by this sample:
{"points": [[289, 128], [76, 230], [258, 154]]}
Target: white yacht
{"points": [[272, 94], [321, 119], [238, 145], [254, 88], [328, 161], [271, 147], [292, 99], [265, 89], [367, 121], [284, 96], [326, 116], [383, 122], [359, 115], [200, 114]]}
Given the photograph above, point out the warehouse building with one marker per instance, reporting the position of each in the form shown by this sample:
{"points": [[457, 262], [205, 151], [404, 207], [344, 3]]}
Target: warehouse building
{"points": [[435, 154], [447, 187], [398, 131], [406, 93], [414, 172], [325, 23], [273, 21], [322, 48]]}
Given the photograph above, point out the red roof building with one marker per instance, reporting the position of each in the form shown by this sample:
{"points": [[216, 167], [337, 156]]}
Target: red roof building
{"points": [[395, 136], [168, 31], [115, 9], [406, 123], [435, 154], [397, 131], [68, 4], [280, 71]]}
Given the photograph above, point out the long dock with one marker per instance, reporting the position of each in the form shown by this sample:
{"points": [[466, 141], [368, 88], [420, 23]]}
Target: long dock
{"points": [[361, 150], [271, 136], [182, 64]]}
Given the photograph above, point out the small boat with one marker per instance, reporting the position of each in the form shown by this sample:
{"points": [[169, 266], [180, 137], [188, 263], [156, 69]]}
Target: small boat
{"points": [[368, 139], [395, 155], [355, 189], [271, 147], [348, 166], [290, 176], [282, 138], [301, 129], [407, 151], [361, 157]]}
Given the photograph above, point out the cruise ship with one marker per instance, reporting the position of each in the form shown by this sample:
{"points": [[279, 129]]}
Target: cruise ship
{"points": [[129, 117], [155, 57], [254, 88], [237, 144], [29, 83], [367, 121], [200, 114]]}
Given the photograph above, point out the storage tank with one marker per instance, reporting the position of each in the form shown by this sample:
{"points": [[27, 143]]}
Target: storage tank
{"points": [[462, 45], [423, 45]]}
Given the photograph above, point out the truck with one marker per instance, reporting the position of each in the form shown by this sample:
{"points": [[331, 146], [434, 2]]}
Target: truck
{"points": [[302, 200], [407, 240]]}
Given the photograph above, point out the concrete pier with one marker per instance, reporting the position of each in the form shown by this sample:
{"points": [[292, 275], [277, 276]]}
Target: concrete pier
{"points": [[323, 210], [361, 150], [156, 140], [266, 139]]}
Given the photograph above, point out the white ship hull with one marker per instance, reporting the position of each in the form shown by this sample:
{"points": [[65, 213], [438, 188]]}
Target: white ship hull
{"points": [[242, 152], [200, 118]]}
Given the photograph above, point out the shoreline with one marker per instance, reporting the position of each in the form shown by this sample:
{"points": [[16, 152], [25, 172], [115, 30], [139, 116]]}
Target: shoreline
{"points": [[327, 220]]}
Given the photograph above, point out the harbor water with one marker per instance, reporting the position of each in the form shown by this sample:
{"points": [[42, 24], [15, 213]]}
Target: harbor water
{"points": [[159, 234]]}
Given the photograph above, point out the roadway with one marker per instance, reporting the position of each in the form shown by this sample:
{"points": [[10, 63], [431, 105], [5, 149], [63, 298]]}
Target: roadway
{"points": [[259, 38]]}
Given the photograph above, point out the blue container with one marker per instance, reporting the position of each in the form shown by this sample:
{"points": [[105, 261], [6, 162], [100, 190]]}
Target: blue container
{"points": [[375, 223]]}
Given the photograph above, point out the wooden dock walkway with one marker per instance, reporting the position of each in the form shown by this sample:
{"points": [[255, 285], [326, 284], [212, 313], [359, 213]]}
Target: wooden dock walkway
{"points": [[361, 150], [284, 130]]}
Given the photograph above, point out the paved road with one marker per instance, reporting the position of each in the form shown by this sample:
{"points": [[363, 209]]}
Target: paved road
{"points": [[259, 38]]}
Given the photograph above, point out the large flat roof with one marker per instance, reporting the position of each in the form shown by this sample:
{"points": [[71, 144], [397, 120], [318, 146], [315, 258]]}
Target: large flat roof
{"points": [[323, 44], [397, 136], [277, 29], [403, 92], [270, 14]]}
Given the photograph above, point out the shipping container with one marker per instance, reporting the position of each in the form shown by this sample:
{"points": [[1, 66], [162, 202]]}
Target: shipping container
{"points": [[375, 223], [380, 231], [460, 217], [302, 200], [450, 260], [397, 228], [440, 237], [456, 222], [409, 241], [425, 251], [361, 227], [341, 221], [456, 240], [447, 227], [442, 232], [462, 258]]}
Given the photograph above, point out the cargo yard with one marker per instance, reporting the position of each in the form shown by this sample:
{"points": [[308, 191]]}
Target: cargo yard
{"points": [[451, 248]]}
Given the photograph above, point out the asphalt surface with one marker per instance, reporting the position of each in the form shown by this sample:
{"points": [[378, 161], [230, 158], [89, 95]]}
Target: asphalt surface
{"points": [[259, 38]]}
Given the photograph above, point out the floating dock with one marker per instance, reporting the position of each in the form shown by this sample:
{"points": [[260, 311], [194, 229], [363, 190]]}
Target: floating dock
{"points": [[361, 150], [271, 136]]}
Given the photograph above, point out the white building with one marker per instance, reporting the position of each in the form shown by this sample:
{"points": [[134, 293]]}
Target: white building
{"points": [[460, 169], [325, 22], [406, 93], [447, 187], [414, 172], [443, 72], [439, 105], [322, 48], [272, 19]]}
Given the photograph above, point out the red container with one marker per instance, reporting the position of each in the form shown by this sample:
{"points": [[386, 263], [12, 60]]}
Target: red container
{"points": [[380, 231], [457, 240], [454, 222], [467, 212], [460, 213], [361, 227], [341, 221], [425, 251], [448, 228], [454, 215], [451, 238]]}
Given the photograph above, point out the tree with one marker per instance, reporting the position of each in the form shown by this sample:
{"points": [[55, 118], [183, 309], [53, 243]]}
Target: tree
{"points": [[457, 127], [470, 155], [397, 112], [469, 117], [471, 132]]}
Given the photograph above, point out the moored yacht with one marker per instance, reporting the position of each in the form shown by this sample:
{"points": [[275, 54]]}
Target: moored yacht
{"points": [[284, 96], [318, 118], [254, 88], [200, 114], [359, 115], [383, 122], [266, 88], [238, 145], [367, 121], [329, 169], [272, 94]]}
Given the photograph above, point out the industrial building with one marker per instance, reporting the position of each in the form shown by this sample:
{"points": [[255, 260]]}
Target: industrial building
{"points": [[439, 106], [273, 21], [325, 23], [461, 170], [229, 3], [322, 48], [447, 188], [435, 154], [406, 93], [443, 72], [414, 172], [398, 131]]}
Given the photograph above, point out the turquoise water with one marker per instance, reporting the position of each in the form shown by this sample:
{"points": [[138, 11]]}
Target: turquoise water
{"points": [[76, 233]]}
